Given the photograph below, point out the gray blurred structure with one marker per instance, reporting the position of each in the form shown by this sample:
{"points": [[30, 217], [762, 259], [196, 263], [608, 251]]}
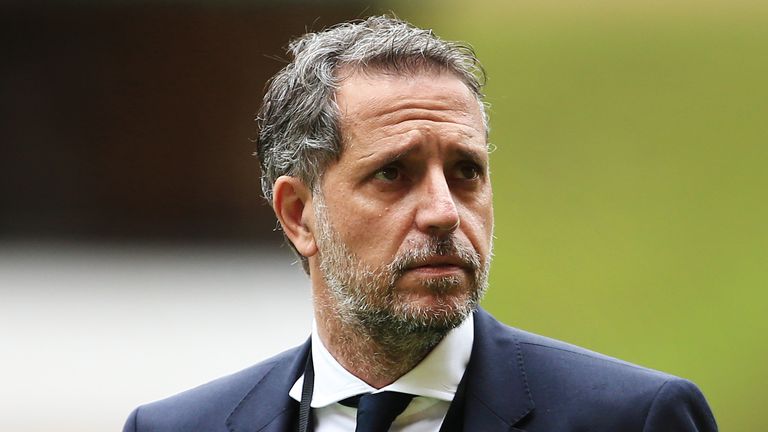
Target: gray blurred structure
{"points": [[89, 332]]}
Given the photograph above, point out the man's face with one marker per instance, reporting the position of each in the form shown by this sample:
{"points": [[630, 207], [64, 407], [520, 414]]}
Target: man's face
{"points": [[404, 218]]}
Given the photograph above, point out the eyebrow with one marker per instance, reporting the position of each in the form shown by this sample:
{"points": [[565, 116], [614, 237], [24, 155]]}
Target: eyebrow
{"points": [[392, 156], [473, 156], [387, 157]]}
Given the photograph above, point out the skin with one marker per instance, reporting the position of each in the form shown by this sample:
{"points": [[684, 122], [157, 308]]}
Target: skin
{"points": [[414, 165]]}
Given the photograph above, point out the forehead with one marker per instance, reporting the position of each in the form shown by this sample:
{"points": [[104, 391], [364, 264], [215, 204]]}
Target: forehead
{"points": [[369, 93], [426, 106]]}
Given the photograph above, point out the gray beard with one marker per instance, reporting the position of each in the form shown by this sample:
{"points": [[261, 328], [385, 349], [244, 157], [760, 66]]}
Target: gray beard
{"points": [[367, 300]]}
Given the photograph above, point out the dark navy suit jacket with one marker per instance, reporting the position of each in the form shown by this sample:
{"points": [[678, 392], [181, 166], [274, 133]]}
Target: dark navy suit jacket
{"points": [[515, 381]]}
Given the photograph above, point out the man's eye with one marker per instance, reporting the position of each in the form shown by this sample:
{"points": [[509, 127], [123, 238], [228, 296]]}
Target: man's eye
{"points": [[469, 171], [388, 173]]}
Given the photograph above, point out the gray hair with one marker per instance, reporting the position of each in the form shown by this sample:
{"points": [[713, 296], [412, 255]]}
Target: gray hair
{"points": [[298, 122]]}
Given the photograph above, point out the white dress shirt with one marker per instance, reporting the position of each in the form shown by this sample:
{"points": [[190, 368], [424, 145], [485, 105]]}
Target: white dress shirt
{"points": [[434, 381]]}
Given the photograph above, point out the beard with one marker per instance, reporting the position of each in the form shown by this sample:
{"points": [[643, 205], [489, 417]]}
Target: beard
{"points": [[367, 297]]}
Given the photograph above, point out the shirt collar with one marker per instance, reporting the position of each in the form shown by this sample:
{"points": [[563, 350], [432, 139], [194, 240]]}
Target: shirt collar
{"points": [[437, 376]]}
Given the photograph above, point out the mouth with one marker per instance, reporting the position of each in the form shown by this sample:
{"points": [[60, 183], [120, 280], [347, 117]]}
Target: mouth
{"points": [[440, 265]]}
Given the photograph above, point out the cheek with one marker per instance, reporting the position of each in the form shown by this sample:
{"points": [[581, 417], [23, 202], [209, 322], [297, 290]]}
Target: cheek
{"points": [[477, 224], [371, 231], [381, 230]]}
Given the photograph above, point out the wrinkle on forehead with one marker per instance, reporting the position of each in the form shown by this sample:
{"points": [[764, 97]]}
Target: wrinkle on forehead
{"points": [[374, 75], [394, 102], [435, 107]]}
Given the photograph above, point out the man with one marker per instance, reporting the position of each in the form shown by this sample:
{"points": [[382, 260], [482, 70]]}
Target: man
{"points": [[373, 149]]}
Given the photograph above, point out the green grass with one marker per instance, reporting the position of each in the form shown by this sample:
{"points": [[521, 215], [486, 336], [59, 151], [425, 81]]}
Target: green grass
{"points": [[630, 181]]}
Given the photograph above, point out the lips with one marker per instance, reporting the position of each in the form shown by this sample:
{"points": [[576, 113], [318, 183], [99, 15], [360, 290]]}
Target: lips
{"points": [[439, 262], [436, 256]]}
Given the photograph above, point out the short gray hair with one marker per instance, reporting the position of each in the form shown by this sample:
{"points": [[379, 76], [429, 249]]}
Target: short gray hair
{"points": [[298, 123]]}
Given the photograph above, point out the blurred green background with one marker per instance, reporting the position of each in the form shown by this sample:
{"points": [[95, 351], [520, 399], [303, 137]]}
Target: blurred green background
{"points": [[629, 179]]}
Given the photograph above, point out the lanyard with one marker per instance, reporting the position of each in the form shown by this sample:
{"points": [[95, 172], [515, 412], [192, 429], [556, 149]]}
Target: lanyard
{"points": [[306, 393]]}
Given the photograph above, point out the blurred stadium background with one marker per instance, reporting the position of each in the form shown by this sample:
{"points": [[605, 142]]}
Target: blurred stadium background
{"points": [[137, 259]]}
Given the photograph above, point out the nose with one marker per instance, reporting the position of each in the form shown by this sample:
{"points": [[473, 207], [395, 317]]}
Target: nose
{"points": [[437, 212]]}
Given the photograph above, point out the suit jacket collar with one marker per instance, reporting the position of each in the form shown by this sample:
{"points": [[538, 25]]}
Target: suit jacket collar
{"points": [[497, 394], [267, 407]]}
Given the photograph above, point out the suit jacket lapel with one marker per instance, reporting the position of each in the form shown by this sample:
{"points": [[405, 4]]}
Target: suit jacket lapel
{"points": [[267, 407], [497, 393]]}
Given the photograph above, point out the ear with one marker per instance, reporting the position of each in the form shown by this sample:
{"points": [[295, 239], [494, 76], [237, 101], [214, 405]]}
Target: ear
{"points": [[292, 202]]}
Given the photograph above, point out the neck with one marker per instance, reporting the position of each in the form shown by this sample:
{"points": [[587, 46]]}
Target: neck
{"points": [[363, 350]]}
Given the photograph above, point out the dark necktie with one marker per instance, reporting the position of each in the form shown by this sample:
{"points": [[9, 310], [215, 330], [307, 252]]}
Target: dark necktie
{"points": [[377, 411]]}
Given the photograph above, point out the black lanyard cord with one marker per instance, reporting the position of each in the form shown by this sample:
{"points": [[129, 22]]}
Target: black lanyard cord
{"points": [[306, 394]]}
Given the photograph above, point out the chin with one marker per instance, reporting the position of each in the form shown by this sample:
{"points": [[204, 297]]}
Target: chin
{"points": [[441, 310]]}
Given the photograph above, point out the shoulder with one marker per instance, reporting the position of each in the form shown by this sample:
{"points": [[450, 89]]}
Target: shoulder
{"points": [[206, 407], [598, 389], [546, 357], [550, 356], [575, 385]]}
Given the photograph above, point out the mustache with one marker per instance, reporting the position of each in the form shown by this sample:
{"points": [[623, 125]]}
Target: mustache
{"points": [[433, 247]]}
